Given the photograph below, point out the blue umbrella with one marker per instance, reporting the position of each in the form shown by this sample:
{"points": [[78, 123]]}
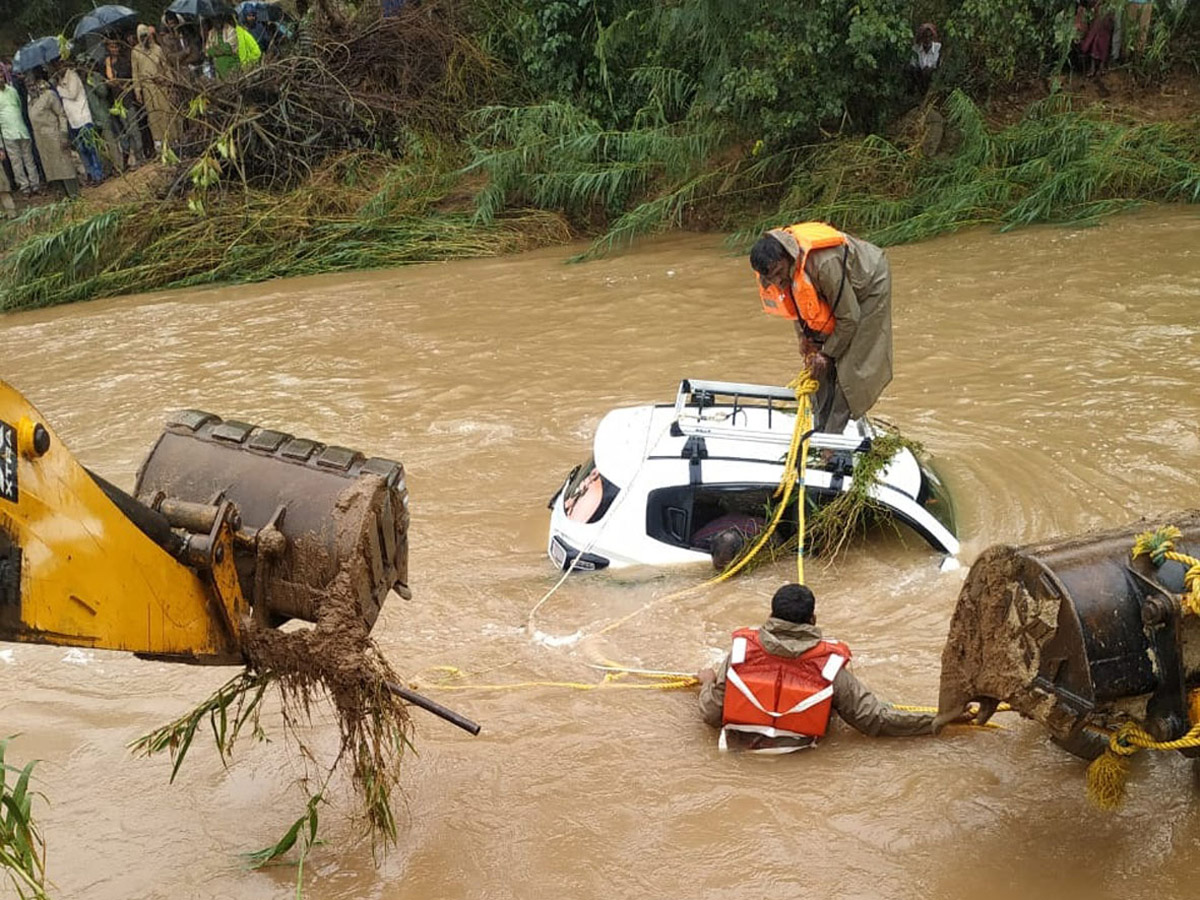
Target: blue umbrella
{"points": [[36, 53], [107, 20]]}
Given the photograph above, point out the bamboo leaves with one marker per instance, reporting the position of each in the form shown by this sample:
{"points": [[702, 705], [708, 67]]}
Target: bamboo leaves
{"points": [[302, 831], [1056, 164], [242, 696], [22, 853]]}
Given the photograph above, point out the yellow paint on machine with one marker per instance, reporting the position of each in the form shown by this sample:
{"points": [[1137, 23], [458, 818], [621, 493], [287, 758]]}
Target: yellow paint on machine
{"points": [[87, 575]]}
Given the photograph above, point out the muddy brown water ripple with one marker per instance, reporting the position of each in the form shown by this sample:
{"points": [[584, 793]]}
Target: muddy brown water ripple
{"points": [[1054, 373]]}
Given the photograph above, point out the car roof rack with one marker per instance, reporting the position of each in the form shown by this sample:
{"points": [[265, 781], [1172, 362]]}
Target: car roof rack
{"points": [[695, 395]]}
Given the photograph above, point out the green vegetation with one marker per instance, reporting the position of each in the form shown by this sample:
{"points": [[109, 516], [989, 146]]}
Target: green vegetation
{"points": [[1055, 165], [613, 119], [361, 212], [832, 526], [22, 853], [737, 117]]}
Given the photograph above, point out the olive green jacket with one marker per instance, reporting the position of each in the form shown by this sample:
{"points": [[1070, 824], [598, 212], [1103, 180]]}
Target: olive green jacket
{"points": [[861, 342], [854, 704]]}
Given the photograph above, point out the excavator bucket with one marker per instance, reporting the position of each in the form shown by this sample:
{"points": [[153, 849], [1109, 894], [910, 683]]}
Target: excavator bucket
{"points": [[308, 513], [230, 523], [1076, 633]]}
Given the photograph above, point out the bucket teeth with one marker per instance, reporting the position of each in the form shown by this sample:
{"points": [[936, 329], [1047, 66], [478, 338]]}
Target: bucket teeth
{"points": [[339, 511]]}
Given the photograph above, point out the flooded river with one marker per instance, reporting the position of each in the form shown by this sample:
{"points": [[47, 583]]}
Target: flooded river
{"points": [[1053, 373]]}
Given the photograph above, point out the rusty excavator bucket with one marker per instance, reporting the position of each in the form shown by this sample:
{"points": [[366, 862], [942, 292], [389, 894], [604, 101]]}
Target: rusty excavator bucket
{"points": [[1076, 633], [228, 524], [305, 512]]}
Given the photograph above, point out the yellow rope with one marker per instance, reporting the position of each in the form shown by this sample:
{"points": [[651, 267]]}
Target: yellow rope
{"points": [[1159, 545], [1108, 774], [804, 385], [606, 684], [664, 681]]}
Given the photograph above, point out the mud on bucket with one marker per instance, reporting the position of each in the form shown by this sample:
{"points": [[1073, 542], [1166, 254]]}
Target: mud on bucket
{"points": [[1078, 632], [307, 511]]}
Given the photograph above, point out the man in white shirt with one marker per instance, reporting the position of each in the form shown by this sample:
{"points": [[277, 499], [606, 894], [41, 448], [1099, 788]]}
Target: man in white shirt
{"points": [[84, 138], [927, 52]]}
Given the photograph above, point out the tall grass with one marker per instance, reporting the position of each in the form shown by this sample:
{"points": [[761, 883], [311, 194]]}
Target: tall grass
{"points": [[22, 852], [1057, 164], [554, 157], [359, 213], [536, 168]]}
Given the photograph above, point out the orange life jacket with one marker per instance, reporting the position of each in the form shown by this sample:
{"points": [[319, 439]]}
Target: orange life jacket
{"points": [[801, 301], [779, 696]]}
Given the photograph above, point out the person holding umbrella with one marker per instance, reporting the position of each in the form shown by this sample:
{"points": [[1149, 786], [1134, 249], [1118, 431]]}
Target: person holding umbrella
{"points": [[104, 21], [51, 130], [248, 12], [182, 44], [230, 46]]}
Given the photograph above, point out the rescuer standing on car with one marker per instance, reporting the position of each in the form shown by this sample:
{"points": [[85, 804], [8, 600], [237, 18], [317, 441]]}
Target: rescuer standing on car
{"points": [[838, 291]]}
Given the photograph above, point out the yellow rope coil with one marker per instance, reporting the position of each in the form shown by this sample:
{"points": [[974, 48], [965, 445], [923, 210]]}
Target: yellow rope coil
{"points": [[794, 467], [1108, 774], [1159, 545]]}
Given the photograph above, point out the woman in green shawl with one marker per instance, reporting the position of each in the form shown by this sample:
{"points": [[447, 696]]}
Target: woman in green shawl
{"points": [[230, 46]]}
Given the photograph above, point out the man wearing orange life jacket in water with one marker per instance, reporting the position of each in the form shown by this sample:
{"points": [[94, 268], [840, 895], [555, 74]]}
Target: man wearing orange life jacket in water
{"points": [[780, 684], [837, 290]]}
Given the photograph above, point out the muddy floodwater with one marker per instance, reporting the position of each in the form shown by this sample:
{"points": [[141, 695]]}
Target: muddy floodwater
{"points": [[1053, 373]]}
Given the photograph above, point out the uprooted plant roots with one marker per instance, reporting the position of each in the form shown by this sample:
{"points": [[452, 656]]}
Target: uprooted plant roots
{"points": [[356, 82], [336, 661], [831, 527]]}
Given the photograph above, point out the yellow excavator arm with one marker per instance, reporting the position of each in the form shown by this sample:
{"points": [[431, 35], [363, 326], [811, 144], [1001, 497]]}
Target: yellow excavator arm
{"points": [[229, 521]]}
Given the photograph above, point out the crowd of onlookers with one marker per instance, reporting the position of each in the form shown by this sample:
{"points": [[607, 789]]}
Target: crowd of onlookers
{"points": [[82, 119]]}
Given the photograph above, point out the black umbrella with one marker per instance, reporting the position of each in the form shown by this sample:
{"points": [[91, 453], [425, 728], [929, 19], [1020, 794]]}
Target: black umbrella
{"points": [[90, 47], [198, 8], [107, 20], [36, 53]]}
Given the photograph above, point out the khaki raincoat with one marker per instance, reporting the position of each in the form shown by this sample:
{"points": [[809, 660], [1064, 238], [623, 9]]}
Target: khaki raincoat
{"points": [[50, 133], [149, 70], [854, 704], [861, 342]]}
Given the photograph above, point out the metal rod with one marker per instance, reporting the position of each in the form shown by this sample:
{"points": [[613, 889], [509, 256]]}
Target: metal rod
{"points": [[436, 708]]}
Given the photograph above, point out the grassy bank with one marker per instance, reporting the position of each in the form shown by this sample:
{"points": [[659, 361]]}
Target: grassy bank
{"points": [[361, 212], [364, 210], [513, 124]]}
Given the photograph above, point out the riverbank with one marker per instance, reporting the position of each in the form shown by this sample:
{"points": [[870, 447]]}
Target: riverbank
{"points": [[1072, 150]]}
